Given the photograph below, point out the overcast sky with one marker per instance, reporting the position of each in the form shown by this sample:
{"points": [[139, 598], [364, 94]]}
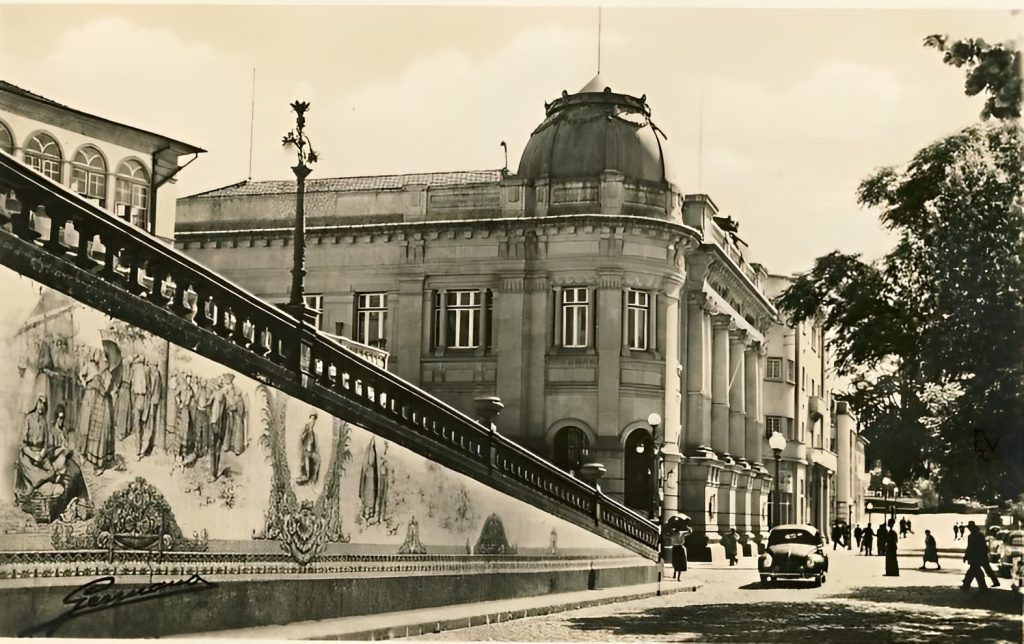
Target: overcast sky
{"points": [[798, 105]]}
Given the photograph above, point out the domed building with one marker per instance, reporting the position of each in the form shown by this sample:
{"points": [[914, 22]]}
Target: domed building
{"points": [[586, 290]]}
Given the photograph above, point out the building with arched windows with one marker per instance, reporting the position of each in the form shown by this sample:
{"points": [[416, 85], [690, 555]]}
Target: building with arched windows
{"points": [[123, 169], [586, 290]]}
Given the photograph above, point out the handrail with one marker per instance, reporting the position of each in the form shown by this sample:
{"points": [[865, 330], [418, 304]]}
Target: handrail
{"points": [[135, 262]]}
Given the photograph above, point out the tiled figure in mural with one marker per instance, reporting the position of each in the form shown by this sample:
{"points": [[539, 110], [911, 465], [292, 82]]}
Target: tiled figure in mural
{"points": [[156, 394], [373, 484], [138, 376], [199, 410], [412, 545], [309, 456], [96, 419], [48, 477], [236, 428], [123, 409], [183, 393]]}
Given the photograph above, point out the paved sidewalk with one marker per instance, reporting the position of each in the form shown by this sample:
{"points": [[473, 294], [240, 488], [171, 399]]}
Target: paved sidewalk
{"points": [[442, 618]]}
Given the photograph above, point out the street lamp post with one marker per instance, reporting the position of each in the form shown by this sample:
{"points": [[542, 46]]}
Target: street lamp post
{"points": [[887, 489], [306, 157], [654, 420], [777, 442]]}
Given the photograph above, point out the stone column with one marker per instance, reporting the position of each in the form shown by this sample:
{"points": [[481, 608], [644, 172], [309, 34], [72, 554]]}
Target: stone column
{"points": [[753, 424], [403, 340], [669, 303], [608, 342], [508, 343], [737, 394], [721, 324], [698, 403]]}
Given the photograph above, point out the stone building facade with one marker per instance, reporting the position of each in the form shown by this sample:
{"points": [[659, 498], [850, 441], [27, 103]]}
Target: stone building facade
{"points": [[123, 169], [586, 290]]}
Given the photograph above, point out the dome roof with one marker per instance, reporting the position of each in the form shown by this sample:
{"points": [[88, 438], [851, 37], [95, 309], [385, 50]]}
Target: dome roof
{"points": [[595, 130]]}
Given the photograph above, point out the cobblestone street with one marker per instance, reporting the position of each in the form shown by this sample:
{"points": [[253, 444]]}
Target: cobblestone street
{"points": [[856, 604]]}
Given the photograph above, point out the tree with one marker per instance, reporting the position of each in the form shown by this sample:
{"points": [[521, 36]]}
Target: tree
{"points": [[931, 334], [991, 68]]}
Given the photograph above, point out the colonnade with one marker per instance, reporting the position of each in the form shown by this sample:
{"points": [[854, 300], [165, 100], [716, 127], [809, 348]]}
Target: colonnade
{"points": [[725, 486]]}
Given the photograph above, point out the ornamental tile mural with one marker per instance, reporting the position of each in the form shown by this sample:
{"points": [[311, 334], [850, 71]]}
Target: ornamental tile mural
{"points": [[117, 441]]}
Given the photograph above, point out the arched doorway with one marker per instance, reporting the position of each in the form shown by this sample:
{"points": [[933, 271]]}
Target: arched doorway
{"points": [[571, 448], [638, 465]]}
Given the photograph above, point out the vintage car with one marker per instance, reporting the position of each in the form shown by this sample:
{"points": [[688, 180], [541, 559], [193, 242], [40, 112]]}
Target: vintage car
{"points": [[1011, 551], [794, 551]]}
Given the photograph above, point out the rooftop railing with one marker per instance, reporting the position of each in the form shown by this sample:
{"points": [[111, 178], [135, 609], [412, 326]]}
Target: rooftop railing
{"points": [[116, 260]]}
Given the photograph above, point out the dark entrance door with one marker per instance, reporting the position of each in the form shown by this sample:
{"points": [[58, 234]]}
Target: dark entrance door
{"points": [[638, 463]]}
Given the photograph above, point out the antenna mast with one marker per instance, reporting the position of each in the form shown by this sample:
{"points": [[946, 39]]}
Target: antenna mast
{"points": [[599, 40], [700, 142], [252, 119]]}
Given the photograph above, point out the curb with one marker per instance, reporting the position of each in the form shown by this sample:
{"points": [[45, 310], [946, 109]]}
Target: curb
{"points": [[387, 626], [496, 617]]}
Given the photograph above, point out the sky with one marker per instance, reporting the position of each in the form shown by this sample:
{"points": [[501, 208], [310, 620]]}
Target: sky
{"points": [[777, 114]]}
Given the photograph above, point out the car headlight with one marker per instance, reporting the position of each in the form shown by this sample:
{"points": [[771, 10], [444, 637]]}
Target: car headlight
{"points": [[766, 560], [810, 561]]}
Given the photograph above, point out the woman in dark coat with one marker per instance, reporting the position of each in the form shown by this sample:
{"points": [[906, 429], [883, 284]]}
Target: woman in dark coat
{"points": [[931, 551], [892, 565]]}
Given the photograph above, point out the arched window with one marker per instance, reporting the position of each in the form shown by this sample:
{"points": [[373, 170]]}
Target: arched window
{"points": [[131, 193], [43, 154], [6, 140], [89, 175], [571, 448], [638, 463]]}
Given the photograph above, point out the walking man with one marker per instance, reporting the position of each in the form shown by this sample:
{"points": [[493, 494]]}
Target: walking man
{"points": [[883, 536], [976, 556], [857, 533]]}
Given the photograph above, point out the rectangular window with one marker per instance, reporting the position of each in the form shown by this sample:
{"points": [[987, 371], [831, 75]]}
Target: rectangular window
{"points": [[772, 424], [316, 303], [791, 371], [575, 316], [463, 319], [371, 319], [803, 378], [637, 316], [774, 368]]}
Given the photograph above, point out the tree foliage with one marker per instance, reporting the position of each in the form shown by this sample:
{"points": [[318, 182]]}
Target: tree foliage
{"points": [[931, 335], [994, 69]]}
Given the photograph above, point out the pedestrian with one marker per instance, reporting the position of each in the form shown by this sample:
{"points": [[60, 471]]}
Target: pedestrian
{"points": [[892, 565], [976, 556], [678, 559], [730, 541], [931, 551], [903, 528], [882, 535], [836, 535], [910, 527], [869, 536], [857, 532], [956, 532]]}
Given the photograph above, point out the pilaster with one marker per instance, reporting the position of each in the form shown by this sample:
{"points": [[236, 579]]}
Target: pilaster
{"points": [[737, 394]]}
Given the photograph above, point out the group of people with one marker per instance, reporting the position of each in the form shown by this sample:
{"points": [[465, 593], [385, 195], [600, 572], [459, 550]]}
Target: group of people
{"points": [[958, 531], [48, 479], [210, 418]]}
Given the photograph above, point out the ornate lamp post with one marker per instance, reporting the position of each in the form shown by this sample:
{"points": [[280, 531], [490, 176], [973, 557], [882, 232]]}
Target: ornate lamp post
{"points": [[306, 157], [887, 489], [654, 420], [778, 443]]}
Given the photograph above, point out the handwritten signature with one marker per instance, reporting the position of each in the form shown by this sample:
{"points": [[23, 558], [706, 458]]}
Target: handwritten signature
{"points": [[101, 594]]}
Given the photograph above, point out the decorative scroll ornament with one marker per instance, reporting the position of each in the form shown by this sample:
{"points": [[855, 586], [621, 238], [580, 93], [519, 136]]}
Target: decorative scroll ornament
{"points": [[304, 534]]}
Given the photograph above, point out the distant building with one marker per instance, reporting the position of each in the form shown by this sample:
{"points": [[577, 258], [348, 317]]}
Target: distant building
{"points": [[123, 169], [819, 475], [586, 290]]}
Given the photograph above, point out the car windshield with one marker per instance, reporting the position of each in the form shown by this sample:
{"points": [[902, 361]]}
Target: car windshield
{"points": [[792, 536]]}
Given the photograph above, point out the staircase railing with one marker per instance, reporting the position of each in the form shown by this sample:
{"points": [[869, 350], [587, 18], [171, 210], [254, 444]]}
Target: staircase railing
{"points": [[113, 260]]}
